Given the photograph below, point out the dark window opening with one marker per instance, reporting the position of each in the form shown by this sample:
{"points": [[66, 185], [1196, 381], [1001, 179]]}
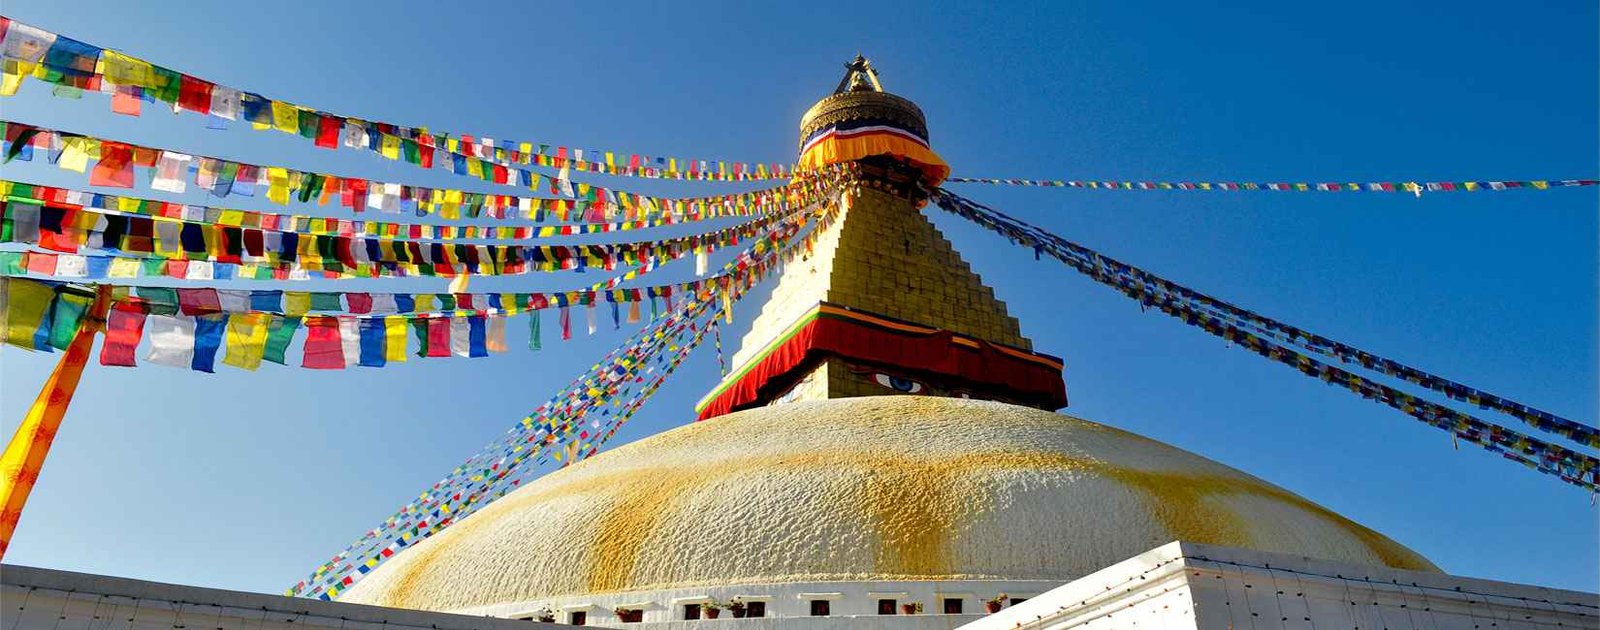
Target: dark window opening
{"points": [[1018, 600], [578, 618], [886, 606], [691, 611], [952, 606], [819, 608], [755, 609]]}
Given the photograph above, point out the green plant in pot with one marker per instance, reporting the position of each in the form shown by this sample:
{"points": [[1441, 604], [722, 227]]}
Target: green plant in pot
{"points": [[545, 615], [911, 608], [736, 608], [994, 604], [712, 608]]}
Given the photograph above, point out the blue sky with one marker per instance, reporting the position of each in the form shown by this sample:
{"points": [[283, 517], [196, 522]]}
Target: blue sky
{"points": [[248, 480]]}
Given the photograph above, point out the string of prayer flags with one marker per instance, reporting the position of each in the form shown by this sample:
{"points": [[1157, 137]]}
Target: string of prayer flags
{"points": [[67, 229], [565, 428], [174, 171], [1254, 332], [75, 66], [1413, 187]]}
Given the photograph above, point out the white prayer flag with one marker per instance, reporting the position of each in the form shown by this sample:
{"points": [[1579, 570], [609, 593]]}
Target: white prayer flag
{"points": [[350, 340], [171, 340], [460, 337], [170, 172]]}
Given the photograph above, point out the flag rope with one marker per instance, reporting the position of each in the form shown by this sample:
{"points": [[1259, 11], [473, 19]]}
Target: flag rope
{"points": [[1236, 325]]}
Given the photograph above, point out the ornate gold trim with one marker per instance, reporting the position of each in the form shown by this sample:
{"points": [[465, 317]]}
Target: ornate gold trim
{"points": [[838, 108]]}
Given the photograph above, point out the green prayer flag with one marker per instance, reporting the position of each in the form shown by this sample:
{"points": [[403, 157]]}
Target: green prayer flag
{"points": [[167, 84], [324, 301], [152, 267], [419, 326], [534, 342], [280, 333], [310, 121], [161, 300], [69, 311], [447, 301], [11, 264]]}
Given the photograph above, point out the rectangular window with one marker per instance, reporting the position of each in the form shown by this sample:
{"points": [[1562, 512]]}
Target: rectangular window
{"points": [[1018, 600], [578, 618], [691, 611], [819, 608], [952, 606], [886, 606], [755, 609]]}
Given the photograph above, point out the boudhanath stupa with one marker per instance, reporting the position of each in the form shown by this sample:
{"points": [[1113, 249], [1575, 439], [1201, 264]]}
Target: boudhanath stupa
{"points": [[886, 436], [885, 452]]}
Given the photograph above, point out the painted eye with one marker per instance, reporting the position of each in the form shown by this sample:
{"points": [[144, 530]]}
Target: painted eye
{"points": [[897, 384]]}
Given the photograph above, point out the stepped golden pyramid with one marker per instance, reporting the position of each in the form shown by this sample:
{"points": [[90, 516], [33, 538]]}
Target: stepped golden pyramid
{"points": [[887, 434]]}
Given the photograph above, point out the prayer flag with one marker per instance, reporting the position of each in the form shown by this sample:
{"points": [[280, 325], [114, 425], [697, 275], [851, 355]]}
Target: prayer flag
{"points": [[170, 172], [66, 318], [124, 328], [350, 340], [374, 341], [438, 342], [246, 340], [171, 340], [280, 333], [394, 332], [323, 348], [115, 167], [207, 338], [534, 340], [27, 304]]}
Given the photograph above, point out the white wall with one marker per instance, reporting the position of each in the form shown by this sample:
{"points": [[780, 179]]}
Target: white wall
{"points": [[1186, 585], [788, 602]]}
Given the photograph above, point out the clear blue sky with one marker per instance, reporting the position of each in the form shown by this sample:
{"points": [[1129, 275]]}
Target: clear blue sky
{"points": [[248, 480]]}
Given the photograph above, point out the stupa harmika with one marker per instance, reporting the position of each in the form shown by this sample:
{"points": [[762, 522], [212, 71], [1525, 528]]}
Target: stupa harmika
{"points": [[887, 437]]}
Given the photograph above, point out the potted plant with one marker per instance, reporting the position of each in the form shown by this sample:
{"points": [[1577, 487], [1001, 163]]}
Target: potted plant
{"points": [[628, 615], [545, 615], [994, 605], [911, 608], [711, 608], [736, 608]]}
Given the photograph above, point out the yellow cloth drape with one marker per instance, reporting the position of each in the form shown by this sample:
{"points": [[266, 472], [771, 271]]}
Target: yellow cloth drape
{"points": [[837, 150]]}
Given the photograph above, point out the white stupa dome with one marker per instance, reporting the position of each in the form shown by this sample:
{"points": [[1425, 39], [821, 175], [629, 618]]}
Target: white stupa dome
{"points": [[875, 489]]}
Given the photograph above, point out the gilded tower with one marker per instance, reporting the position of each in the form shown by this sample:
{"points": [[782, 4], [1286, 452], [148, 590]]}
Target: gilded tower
{"points": [[884, 304]]}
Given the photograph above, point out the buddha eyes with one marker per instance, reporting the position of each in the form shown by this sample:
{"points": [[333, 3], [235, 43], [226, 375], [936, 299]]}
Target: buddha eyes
{"points": [[897, 384]]}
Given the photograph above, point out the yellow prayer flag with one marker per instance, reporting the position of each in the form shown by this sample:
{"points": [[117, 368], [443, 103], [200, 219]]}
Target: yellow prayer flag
{"points": [[25, 304], [123, 268], [74, 154], [424, 303], [278, 185], [296, 302], [394, 338], [12, 75], [389, 146], [247, 340], [285, 117], [1541, 184], [126, 70], [475, 167]]}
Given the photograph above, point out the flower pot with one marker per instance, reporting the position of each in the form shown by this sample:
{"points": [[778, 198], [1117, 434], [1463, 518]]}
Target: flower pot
{"points": [[738, 613], [992, 607], [711, 613], [908, 609]]}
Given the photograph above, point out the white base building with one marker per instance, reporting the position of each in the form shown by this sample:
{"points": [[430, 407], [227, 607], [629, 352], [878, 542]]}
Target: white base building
{"points": [[1188, 585]]}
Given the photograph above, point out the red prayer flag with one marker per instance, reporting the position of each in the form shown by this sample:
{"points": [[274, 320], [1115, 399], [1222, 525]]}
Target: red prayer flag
{"points": [[115, 167], [323, 350], [199, 301], [439, 337], [360, 303], [126, 100], [328, 132], [195, 94], [42, 264], [123, 330]]}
